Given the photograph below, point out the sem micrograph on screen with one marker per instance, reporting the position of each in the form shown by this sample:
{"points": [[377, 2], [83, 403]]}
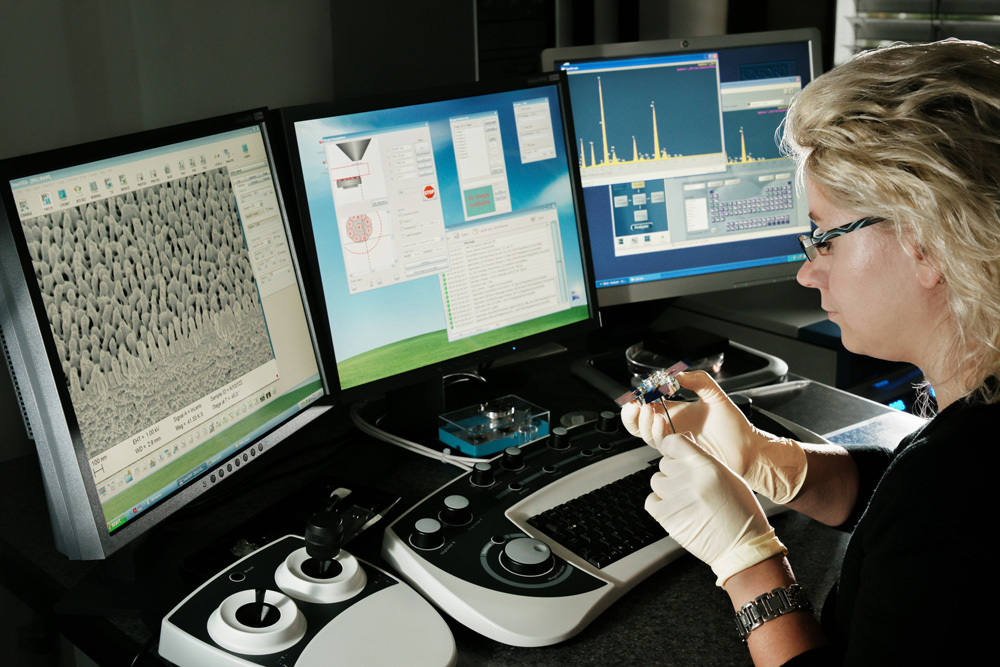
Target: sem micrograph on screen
{"points": [[152, 302]]}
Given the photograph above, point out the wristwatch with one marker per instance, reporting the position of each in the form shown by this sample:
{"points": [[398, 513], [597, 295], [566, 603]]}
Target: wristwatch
{"points": [[764, 607]]}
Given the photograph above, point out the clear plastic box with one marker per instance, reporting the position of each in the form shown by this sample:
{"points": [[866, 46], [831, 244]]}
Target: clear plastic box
{"points": [[487, 428]]}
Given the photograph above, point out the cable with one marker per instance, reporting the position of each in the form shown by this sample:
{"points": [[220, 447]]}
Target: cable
{"points": [[142, 649], [466, 463], [452, 379]]}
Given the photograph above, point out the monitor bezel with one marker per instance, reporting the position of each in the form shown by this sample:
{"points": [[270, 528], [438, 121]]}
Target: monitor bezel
{"points": [[78, 522], [638, 292], [430, 373]]}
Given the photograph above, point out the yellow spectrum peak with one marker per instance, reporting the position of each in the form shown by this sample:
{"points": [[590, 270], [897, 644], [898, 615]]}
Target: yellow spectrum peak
{"points": [[616, 161]]}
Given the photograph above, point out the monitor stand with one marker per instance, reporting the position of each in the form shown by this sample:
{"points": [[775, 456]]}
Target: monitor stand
{"points": [[412, 411], [629, 322]]}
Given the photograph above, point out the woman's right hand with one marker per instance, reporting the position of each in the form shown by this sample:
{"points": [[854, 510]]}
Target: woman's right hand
{"points": [[774, 467]]}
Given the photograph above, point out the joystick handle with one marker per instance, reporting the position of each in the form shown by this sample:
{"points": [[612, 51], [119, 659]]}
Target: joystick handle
{"points": [[329, 530], [324, 535], [257, 614]]}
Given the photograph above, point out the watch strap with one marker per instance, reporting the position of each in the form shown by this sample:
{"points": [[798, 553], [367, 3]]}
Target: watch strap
{"points": [[768, 606]]}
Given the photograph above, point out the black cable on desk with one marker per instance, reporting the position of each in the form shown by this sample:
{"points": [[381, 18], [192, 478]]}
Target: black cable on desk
{"points": [[144, 648]]}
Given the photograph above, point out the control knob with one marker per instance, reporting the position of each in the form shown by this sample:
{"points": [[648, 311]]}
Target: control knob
{"points": [[513, 458], [456, 511], [527, 556], [559, 438], [482, 474], [427, 534], [607, 422]]}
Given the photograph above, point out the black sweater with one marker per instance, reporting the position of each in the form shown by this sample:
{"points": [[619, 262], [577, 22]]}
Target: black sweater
{"points": [[917, 578]]}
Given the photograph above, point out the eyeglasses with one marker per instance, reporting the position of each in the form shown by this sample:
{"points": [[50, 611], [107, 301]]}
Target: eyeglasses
{"points": [[818, 243]]}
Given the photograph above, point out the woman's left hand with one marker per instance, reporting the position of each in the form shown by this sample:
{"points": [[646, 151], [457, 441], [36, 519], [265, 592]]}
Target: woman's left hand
{"points": [[773, 467], [706, 507]]}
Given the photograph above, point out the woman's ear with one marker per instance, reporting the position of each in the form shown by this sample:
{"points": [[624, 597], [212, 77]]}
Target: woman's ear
{"points": [[928, 275]]}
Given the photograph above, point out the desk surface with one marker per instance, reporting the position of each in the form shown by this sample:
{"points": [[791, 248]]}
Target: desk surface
{"points": [[676, 616]]}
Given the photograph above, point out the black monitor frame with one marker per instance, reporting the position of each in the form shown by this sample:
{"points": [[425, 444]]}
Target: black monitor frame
{"points": [[424, 385], [638, 292], [78, 521]]}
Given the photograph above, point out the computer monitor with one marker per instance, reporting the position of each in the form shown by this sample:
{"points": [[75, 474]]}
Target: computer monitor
{"points": [[153, 320], [685, 188], [444, 229]]}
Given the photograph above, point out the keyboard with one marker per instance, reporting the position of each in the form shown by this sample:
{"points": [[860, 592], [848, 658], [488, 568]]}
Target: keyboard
{"points": [[606, 524]]}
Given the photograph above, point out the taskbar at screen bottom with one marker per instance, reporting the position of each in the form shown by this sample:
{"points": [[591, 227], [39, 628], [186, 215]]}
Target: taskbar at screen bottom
{"points": [[178, 473], [700, 270]]}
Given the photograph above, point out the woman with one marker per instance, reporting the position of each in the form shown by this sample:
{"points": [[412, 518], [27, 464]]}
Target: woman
{"points": [[899, 154]]}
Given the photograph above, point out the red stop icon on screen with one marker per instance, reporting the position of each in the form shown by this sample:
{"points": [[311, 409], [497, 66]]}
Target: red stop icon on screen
{"points": [[429, 192]]}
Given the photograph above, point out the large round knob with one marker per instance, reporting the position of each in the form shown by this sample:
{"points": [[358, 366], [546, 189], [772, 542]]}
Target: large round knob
{"points": [[482, 474], [559, 438], [607, 422], [513, 458], [427, 534], [527, 556], [456, 511]]}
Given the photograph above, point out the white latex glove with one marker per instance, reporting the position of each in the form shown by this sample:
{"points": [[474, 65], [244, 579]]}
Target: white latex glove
{"points": [[705, 507], [773, 467]]}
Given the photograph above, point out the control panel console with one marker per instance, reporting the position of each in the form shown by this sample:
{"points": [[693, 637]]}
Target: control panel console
{"points": [[530, 547], [277, 607]]}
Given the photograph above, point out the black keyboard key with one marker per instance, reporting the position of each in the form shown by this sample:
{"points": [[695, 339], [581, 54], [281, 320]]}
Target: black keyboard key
{"points": [[606, 524]]}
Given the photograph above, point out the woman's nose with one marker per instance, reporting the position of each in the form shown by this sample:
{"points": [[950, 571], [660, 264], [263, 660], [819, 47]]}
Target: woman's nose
{"points": [[809, 274]]}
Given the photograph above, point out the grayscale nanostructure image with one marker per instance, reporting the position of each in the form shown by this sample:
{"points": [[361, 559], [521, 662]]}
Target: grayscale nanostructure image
{"points": [[152, 302]]}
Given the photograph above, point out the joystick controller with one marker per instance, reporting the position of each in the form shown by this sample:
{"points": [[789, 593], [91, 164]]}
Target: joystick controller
{"points": [[306, 601], [257, 622]]}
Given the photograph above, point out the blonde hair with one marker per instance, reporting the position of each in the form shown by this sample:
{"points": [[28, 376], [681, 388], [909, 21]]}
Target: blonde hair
{"points": [[912, 134]]}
